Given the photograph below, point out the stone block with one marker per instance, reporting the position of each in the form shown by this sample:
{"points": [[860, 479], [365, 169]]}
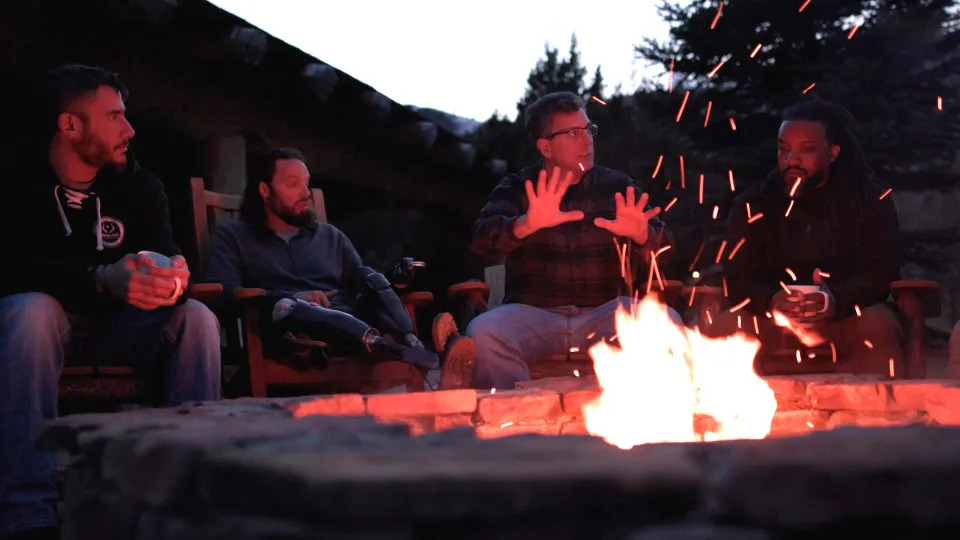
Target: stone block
{"points": [[943, 405], [875, 418], [519, 406], [444, 422], [858, 396], [573, 402], [575, 427], [797, 422], [561, 385], [492, 431], [422, 403], [911, 395], [332, 405]]}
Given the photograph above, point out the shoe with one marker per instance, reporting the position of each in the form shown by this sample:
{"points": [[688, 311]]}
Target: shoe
{"points": [[458, 361], [443, 328]]}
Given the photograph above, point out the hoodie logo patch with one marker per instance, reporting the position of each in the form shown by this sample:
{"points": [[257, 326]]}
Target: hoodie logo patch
{"points": [[112, 231]]}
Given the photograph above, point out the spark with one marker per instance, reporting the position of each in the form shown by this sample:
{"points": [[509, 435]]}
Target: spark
{"points": [[574, 349], [697, 256], [809, 424], [854, 29], [661, 250], [755, 217], [668, 185], [693, 293], [723, 245], [868, 343], [785, 288], [733, 124], [756, 50], [716, 69], [940, 103], [736, 248], [856, 308], [821, 273], [598, 100], [892, 374], [576, 373], [789, 208], [493, 390], [804, 6], [809, 88], [739, 306], [733, 187], [756, 325], [683, 105], [748, 211], [811, 355], [581, 167], [591, 334], [701, 189], [683, 175], [670, 205], [507, 424], [716, 211], [717, 16], [709, 318], [796, 185], [798, 356], [725, 294], [706, 119], [833, 352], [670, 90], [657, 168], [885, 193], [791, 274]]}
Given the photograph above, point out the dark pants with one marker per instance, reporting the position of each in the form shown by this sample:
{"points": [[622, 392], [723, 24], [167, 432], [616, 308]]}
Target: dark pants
{"points": [[878, 324]]}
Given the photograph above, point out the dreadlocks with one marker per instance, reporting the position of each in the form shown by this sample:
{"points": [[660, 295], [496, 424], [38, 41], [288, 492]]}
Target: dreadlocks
{"points": [[852, 181]]}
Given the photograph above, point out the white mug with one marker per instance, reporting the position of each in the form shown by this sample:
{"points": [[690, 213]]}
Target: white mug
{"points": [[811, 290]]}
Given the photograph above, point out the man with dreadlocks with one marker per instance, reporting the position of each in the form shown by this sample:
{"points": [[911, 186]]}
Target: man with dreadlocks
{"points": [[824, 223]]}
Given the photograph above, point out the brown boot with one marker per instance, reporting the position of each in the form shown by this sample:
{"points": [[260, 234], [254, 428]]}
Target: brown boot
{"points": [[459, 358], [443, 328]]}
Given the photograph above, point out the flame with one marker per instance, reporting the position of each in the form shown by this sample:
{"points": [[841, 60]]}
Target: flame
{"points": [[668, 383]]}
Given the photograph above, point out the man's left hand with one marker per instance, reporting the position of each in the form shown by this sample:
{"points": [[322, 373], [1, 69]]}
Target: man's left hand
{"points": [[631, 220], [177, 272]]}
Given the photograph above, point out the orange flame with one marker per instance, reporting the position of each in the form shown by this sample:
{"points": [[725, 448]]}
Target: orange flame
{"points": [[702, 389]]}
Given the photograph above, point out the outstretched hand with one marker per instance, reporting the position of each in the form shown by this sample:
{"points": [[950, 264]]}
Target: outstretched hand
{"points": [[632, 220], [544, 211]]}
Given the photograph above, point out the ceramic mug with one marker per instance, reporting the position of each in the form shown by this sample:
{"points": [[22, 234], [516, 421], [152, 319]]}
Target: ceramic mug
{"points": [[162, 261], [812, 290]]}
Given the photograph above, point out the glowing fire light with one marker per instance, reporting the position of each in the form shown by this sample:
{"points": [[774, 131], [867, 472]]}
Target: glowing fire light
{"points": [[701, 189], [856, 308], [723, 246], [868, 343], [804, 6], [733, 186], [796, 185], [581, 167], [670, 205], [716, 211], [493, 390], [657, 168], [683, 175], [733, 124], [940, 103], [799, 359], [748, 211], [756, 325], [725, 294], [833, 352], [706, 119], [792, 275], [697, 256], [756, 50], [598, 100], [576, 373], [755, 217], [736, 248], [717, 16], [670, 90], [683, 105], [854, 29], [885, 193], [789, 208], [574, 349], [820, 273], [809, 88], [739, 306], [716, 69], [703, 389], [892, 374]]}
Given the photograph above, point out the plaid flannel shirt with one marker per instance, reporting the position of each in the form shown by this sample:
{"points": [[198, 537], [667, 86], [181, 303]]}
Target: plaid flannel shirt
{"points": [[575, 263]]}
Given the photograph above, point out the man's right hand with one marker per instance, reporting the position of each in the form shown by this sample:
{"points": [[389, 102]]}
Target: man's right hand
{"points": [[544, 208], [320, 298], [124, 280], [790, 304]]}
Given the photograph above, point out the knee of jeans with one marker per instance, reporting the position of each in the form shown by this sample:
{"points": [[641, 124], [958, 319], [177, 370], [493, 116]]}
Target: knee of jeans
{"points": [[35, 314], [195, 314]]}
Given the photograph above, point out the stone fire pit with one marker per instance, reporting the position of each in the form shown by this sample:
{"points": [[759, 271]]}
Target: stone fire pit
{"points": [[845, 455]]}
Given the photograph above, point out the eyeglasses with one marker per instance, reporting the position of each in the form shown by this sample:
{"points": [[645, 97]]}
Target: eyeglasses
{"points": [[574, 133]]}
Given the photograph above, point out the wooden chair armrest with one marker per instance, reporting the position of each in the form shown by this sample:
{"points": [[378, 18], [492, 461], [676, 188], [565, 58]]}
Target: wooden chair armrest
{"points": [[246, 293], [469, 288], [927, 293], [204, 292]]}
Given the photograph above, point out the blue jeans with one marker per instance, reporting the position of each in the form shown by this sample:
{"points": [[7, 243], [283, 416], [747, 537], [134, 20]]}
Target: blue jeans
{"points": [[34, 342], [510, 336]]}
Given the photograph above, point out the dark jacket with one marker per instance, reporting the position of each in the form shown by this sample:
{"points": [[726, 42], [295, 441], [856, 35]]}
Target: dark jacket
{"points": [[52, 244], [571, 264], [858, 246]]}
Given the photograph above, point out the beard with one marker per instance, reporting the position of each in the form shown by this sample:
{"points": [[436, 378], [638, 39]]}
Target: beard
{"points": [[808, 181], [95, 152], [287, 214]]}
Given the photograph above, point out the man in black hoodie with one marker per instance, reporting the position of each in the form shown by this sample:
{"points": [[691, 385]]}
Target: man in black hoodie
{"points": [[94, 215], [819, 220]]}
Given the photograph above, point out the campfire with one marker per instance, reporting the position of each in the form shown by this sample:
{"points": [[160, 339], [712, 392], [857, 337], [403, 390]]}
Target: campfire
{"points": [[669, 383]]}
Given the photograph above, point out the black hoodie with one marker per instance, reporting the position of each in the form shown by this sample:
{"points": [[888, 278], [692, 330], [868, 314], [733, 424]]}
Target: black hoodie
{"points": [[53, 241]]}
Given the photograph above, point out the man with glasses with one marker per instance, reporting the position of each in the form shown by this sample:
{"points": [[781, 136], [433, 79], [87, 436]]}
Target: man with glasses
{"points": [[560, 228]]}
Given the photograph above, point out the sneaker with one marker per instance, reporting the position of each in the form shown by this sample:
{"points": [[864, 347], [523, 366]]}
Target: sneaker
{"points": [[457, 368], [444, 328]]}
